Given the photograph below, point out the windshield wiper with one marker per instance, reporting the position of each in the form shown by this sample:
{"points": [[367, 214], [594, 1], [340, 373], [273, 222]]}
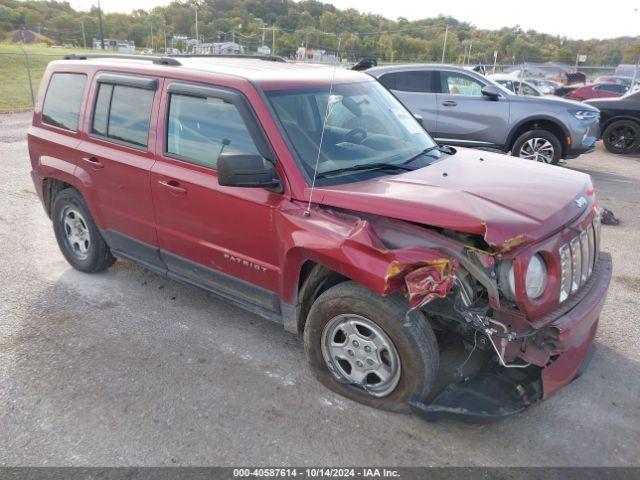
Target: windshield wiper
{"points": [[427, 150], [364, 166], [384, 166]]}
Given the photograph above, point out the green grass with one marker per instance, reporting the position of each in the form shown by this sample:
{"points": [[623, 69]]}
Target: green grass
{"points": [[14, 82]]}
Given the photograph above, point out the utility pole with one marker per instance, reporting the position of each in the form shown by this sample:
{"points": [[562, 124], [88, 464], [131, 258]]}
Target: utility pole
{"points": [[151, 27], [84, 38], [469, 55], [495, 60], [195, 6], [444, 47], [273, 42], [101, 26]]}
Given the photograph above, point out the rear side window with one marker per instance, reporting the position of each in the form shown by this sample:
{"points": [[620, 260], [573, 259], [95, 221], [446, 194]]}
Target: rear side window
{"points": [[63, 100], [418, 81], [123, 113], [613, 88], [200, 128]]}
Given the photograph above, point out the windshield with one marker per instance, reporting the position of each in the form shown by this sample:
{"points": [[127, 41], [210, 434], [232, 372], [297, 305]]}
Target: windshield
{"points": [[365, 125]]}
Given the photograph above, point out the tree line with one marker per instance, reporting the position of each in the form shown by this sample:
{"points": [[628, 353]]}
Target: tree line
{"points": [[287, 25]]}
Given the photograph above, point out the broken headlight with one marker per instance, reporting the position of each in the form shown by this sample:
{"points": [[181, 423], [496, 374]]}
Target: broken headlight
{"points": [[536, 278]]}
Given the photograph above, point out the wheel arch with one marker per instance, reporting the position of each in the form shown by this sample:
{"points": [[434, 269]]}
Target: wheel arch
{"points": [[540, 123], [313, 280], [612, 120], [55, 180]]}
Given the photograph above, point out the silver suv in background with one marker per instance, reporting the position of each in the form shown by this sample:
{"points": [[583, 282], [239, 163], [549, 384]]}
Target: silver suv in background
{"points": [[461, 107]]}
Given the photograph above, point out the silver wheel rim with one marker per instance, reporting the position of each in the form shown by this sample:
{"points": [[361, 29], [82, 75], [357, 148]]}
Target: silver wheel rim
{"points": [[76, 232], [360, 353], [538, 150]]}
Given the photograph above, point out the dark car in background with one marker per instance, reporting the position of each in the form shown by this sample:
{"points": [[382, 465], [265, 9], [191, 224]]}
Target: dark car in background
{"points": [[598, 90], [620, 122], [461, 107]]}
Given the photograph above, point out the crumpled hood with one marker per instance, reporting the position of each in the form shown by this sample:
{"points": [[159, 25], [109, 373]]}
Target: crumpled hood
{"points": [[507, 200]]}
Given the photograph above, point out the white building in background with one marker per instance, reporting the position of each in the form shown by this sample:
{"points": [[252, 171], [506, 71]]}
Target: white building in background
{"points": [[113, 45], [321, 56], [264, 50], [219, 48]]}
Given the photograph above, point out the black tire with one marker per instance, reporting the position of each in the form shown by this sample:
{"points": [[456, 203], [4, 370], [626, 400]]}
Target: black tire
{"points": [[97, 256], [411, 335], [622, 136], [522, 143]]}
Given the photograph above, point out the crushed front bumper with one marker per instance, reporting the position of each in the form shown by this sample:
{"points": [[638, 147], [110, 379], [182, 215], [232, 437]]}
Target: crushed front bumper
{"points": [[500, 392]]}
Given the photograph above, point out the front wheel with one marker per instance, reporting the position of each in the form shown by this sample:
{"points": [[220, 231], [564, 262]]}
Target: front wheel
{"points": [[539, 146], [622, 136], [366, 348]]}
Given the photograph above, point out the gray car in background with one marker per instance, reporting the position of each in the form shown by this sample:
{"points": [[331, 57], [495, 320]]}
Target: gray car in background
{"points": [[461, 107]]}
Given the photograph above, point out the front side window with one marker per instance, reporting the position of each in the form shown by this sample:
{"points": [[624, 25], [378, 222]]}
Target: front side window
{"points": [[455, 83], [199, 129], [123, 113], [64, 97], [365, 125]]}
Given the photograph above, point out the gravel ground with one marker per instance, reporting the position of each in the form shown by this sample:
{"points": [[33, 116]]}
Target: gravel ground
{"points": [[127, 368]]}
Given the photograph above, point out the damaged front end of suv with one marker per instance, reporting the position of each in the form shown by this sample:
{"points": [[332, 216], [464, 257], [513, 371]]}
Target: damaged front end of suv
{"points": [[525, 308]]}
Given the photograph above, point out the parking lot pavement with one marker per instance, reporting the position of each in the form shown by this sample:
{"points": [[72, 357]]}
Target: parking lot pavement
{"points": [[128, 368]]}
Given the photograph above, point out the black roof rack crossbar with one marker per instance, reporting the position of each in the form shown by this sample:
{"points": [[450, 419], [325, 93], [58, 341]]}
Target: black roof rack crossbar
{"points": [[266, 58], [154, 59]]}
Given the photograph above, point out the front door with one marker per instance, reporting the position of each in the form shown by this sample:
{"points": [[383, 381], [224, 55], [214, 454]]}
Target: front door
{"points": [[221, 238], [468, 117]]}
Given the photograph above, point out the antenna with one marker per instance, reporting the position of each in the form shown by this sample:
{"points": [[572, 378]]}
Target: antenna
{"points": [[324, 124]]}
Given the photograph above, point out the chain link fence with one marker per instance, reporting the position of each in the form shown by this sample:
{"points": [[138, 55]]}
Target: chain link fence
{"points": [[20, 75], [21, 71]]}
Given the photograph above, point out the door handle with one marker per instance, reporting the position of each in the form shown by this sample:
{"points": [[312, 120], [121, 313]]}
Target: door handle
{"points": [[94, 162], [449, 103], [173, 186]]}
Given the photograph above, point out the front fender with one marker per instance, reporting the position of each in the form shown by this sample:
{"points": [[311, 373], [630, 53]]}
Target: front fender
{"points": [[351, 245]]}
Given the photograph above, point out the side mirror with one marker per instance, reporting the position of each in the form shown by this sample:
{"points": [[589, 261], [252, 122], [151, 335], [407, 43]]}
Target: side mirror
{"points": [[491, 92], [246, 170], [419, 118]]}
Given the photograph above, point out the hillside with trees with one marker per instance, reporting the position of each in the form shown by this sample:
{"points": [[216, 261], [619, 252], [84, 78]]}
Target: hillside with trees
{"points": [[292, 24]]}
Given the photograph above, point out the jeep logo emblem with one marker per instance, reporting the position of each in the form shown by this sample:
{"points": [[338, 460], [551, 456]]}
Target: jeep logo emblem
{"points": [[581, 202]]}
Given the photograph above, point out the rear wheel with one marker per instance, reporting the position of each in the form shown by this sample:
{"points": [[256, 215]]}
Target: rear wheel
{"points": [[622, 136], [366, 348], [539, 146], [77, 234]]}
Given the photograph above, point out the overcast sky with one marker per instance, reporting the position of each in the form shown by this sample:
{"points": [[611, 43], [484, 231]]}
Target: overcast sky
{"points": [[577, 19]]}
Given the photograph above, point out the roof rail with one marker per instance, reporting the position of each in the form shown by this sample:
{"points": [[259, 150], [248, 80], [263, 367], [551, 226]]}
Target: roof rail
{"points": [[153, 59], [266, 58]]}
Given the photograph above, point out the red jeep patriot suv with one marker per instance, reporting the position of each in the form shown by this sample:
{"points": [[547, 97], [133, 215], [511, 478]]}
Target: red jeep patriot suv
{"points": [[310, 196]]}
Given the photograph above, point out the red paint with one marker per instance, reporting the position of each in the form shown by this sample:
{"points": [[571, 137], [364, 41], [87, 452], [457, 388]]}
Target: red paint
{"points": [[382, 233], [592, 91]]}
